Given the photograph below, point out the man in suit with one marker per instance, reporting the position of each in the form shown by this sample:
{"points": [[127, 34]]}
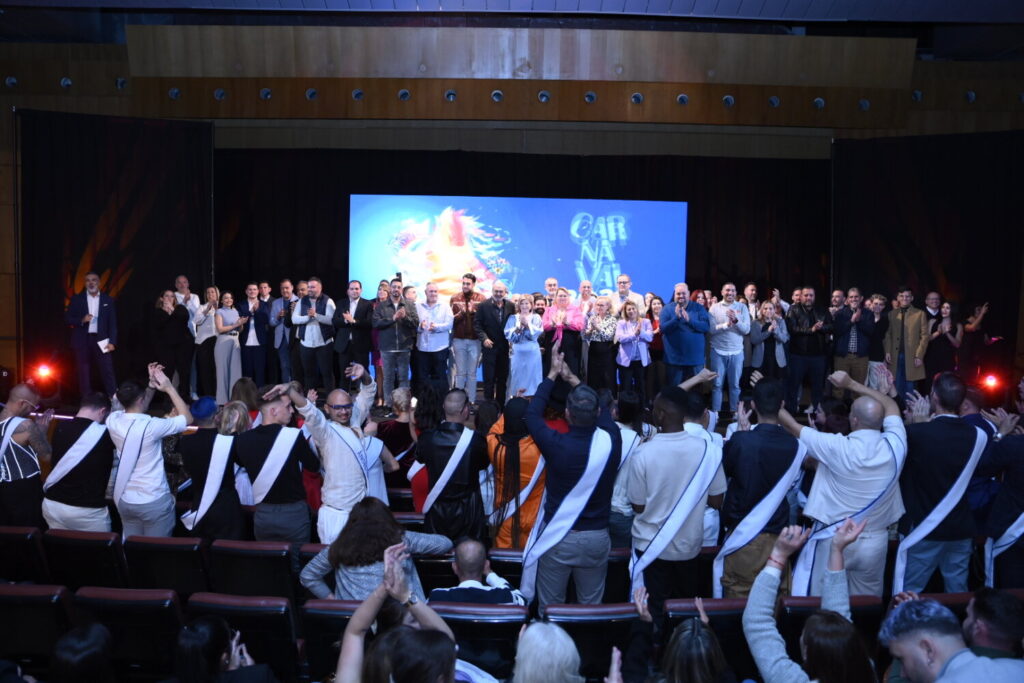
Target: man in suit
{"points": [[352, 328], [93, 318], [271, 363], [906, 342], [282, 332], [254, 334], [852, 329], [314, 317], [490, 328]]}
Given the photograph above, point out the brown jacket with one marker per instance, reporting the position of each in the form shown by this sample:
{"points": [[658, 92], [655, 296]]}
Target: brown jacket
{"points": [[915, 322]]}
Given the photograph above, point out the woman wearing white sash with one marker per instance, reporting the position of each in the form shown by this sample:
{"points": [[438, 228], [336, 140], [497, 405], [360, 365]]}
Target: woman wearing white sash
{"points": [[141, 492], [216, 510], [518, 476]]}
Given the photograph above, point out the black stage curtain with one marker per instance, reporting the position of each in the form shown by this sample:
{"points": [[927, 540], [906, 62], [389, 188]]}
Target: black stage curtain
{"points": [[935, 212], [128, 198], [284, 213]]}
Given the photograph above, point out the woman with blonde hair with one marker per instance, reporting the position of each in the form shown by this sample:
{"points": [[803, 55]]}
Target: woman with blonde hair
{"points": [[234, 420], [599, 333], [546, 654]]}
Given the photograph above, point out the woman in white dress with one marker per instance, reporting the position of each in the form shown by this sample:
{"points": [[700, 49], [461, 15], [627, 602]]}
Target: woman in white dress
{"points": [[227, 354], [523, 331]]}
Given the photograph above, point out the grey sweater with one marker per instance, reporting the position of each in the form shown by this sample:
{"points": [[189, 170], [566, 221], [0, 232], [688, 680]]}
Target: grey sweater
{"points": [[763, 638], [357, 583]]}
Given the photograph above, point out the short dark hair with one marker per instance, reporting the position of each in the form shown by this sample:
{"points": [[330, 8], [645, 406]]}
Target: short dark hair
{"points": [[405, 290], [694, 405], [263, 282], [768, 395], [129, 392], [950, 390], [314, 278], [95, 399], [394, 280], [583, 405], [288, 280], [918, 615], [201, 644], [91, 272], [357, 282], [469, 276], [82, 654], [904, 288], [1003, 612]]}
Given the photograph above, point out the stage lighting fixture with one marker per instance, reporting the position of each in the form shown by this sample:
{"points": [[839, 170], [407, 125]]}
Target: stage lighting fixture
{"points": [[265, 93], [65, 82], [774, 101], [120, 83], [357, 94], [728, 101], [497, 95], [404, 94], [590, 97], [990, 382], [449, 95], [10, 81], [682, 99], [220, 94], [174, 93], [543, 96], [44, 371], [864, 104], [916, 95], [45, 379], [970, 96], [637, 98], [819, 102], [311, 94]]}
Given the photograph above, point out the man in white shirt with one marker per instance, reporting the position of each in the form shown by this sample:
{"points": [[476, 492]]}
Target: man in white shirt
{"points": [[314, 315], [730, 324], [141, 493], [184, 296], [856, 475], [625, 283], [432, 341], [281, 332]]}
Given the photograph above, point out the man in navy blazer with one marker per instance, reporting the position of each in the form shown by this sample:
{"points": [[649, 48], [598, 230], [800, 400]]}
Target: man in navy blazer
{"points": [[254, 352], [92, 317], [352, 325]]}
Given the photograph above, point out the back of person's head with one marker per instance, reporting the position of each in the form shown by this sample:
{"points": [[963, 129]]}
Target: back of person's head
{"points": [[204, 410], [487, 413], [82, 655], [202, 646], [456, 402], [546, 654], [866, 413], [694, 406], [129, 392], [582, 406], [768, 395], [974, 401], [948, 391], [234, 418], [401, 400], [995, 619], [470, 556], [245, 390], [410, 655], [95, 400], [693, 655], [923, 635], [369, 531], [833, 651], [429, 411]]}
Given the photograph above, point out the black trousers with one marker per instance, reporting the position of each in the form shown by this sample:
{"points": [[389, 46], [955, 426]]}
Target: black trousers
{"points": [[206, 368], [178, 358], [632, 378], [496, 368], [601, 365], [254, 364], [433, 369], [321, 358], [88, 356], [346, 358]]}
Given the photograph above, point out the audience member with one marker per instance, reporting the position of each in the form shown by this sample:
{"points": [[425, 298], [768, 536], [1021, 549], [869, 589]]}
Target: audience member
{"points": [[216, 512], [629, 416], [730, 323], [518, 476], [83, 655], [399, 436], [684, 325], [208, 650], [809, 328], [227, 353], [489, 323], [546, 654], [1004, 526], [313, 317], [853, 326], [477, 583], [523, 332], [906, 342]]}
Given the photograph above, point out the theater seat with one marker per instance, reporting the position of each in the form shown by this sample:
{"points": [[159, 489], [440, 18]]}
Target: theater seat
{"points": [[508, 564], [726, 617], [178, 564], [85, 558], [323, 622], [32, 618], [144, 624], [266, 624], [954, 601], [866, 612], [435, 571], [410, 521], [400, 500], [487, 634], [252, 568], [616, 586], [595, 629], [21, 554], [705, 569]]}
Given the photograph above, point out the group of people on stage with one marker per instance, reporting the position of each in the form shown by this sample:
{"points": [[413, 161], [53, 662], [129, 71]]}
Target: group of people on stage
{"points": [[568, 462]]}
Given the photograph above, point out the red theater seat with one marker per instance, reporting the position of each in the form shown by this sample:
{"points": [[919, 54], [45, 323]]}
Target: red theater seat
{"points": [[252, 568], [178, 564], [32, 618], [411, 521], [323, 623], [435, 571], [508, 564], [21, 554], [486, 634], [595, 629], [400, 500], [866, 610], [85, 558]]}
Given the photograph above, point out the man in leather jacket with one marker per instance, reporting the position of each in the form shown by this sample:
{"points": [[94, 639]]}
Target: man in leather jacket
{"points": [[809, 328]]}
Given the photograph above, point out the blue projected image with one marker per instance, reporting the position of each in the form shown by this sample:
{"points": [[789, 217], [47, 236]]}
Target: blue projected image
{"points": [[521, 241]]}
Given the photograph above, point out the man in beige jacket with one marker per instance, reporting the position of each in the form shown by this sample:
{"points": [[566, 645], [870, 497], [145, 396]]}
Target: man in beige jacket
{"points": [[906, 340]]}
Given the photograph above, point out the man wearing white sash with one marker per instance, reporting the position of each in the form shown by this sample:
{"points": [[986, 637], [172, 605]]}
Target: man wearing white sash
{"points": [[22, 444], [939, 528], [141, 493], [83, 455], [674, 476], [206, 456], [761, 464], [454, 455], [1004, 551], [274, 456], [857, 476], [629, 418], [571, 536]]}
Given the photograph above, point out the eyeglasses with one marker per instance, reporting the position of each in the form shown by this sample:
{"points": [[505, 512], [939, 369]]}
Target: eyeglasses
{"points": [[30, 404], [340, 406]]}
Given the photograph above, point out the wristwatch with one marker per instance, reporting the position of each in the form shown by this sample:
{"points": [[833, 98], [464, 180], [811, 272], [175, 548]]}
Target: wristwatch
{"points": [[413, 600]]}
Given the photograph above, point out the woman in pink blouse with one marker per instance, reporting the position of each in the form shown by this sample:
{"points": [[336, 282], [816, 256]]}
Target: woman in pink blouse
{"points": [[563, 322]]}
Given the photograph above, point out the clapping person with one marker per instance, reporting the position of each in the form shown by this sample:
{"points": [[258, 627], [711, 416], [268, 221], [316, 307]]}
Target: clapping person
{"points": [[173, 343], [633, 334], [654, 374], [523, 332], [209, 650], [206, 341], [563, 323], [768, 337], [226, 353], [253, 334], [944, 342], [599, 333]]}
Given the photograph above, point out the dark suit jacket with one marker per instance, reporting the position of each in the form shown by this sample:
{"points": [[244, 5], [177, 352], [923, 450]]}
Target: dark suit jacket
{"points": [[844, 327], [262, 320], [106, 321], [754, 462], [489, 325], [358, 333]]}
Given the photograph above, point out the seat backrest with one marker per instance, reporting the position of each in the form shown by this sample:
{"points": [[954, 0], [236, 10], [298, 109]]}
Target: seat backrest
{"points": [[957, 602], [32, 618], [726, 617], [595, 629], [85, 558], [21, 554], [323, 623], [705, 569], [616, 584], [400, 500], [435, 571], [410, 521], [178, 564], [508, 564], [144, 624], [866, 612], [266, 624], [486, 634], [252, 568]]}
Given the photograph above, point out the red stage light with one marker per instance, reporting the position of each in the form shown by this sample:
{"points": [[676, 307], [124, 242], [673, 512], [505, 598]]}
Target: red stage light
{"points": [[44, 371], [990, 381]]}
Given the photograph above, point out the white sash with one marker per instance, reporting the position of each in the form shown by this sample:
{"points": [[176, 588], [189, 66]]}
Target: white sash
{"points": [[499, 516], [547, 534], [994, 548], [375, 484], [803, 570], [74, 455], [939, 513], [353, 443], [256, 421], [695, 490], [398, 458], [449, 469], [756, 519], [131, 449], [214, 477], [632, 447], [243, 486], [276, 458], [414, 470]]}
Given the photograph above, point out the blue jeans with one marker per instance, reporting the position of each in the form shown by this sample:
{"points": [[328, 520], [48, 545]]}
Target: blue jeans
{"points": [[284, 356], [730, 367], [949, 557], [903, 385], [677, 374]]}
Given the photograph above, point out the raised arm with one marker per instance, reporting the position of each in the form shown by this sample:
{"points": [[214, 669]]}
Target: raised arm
{"points": [[844, 381]]}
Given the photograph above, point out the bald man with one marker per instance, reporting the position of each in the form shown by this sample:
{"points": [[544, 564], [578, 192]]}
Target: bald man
{"points": [[856, 475], [350, 465], [22, 443]]}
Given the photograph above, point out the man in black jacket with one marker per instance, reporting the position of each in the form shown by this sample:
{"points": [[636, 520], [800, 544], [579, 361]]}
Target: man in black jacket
{"points": [[809, 328], [490, 328], [352, 328], [853, 326]]}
